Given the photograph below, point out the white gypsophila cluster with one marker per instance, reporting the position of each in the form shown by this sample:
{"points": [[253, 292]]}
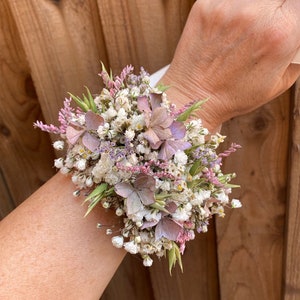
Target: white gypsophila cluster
{"points": [[130, 150]]}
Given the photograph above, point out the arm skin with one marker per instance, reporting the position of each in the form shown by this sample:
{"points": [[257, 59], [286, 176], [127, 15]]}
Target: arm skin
{"points": [[236, 52], [49, 251]]}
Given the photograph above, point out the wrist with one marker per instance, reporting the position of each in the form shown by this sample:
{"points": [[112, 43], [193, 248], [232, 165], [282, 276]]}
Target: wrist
{"points": [[183, 91]]}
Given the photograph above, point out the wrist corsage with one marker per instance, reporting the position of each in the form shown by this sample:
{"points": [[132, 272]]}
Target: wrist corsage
{"points": [[130, 150]]}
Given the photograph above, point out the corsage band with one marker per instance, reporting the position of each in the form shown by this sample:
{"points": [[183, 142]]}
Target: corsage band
{"points": [[129, 149]]}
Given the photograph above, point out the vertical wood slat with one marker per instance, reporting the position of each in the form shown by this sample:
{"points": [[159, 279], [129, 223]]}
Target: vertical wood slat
{"points": [[291, 275], [199, 279], [141, 32], [25, 161], [60, 40], [250, 239], [131, 281]]}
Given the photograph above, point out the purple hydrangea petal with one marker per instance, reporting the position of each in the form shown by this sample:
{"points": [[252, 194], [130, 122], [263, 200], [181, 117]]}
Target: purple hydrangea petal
{"points": [[167, 228], [146, 196], [161, 118], [73, 134], [151, 137], [149, 224], [143, 104], [93, 120], [124, 189], [155, 100], [178, 130], [134, 204], [144, 181], [90, 141], [170, 147]]}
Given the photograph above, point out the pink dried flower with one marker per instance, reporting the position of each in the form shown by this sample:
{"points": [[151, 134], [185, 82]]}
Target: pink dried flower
{"points": [[232, 149], [64, 117], [92, 122], [114, 84]]}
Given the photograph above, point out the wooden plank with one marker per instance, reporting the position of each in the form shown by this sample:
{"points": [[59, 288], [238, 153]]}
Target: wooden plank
{"points": [[250, 239], [64, 46], [291, 275], [141, 32], [7, 202], [131, 281], [199, 279], [24, 152]]}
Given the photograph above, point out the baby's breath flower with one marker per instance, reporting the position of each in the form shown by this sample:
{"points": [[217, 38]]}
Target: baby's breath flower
{"points": [[131, 247], [182, 214], [81, 164], [141, 148], [199, 197], [105, 95], [165, 185], [180, 157], [147, 261], [109, 114], [89, 181], [137, 122], [109, 231], [76, 193], [135, 92], [58, 145], [204, 228], [64, 170], [218, 210], [117, 241], [137, 239], [129, 134], [123, 102], [221, 196], [59, 163], [119, 211], [235, 203], [106, 204]]}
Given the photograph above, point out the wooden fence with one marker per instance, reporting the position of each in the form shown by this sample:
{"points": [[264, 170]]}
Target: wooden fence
{"points": [[48, 48]]}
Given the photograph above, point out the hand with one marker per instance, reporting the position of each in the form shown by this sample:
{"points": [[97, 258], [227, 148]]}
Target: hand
{"points": [[237, 53]]}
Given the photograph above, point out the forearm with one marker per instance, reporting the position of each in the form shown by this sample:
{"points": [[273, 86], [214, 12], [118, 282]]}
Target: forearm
{"points": [[50, 251]]}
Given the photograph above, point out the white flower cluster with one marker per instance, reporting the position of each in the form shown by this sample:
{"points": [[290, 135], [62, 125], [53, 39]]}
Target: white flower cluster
{"points": [[130, 150]]}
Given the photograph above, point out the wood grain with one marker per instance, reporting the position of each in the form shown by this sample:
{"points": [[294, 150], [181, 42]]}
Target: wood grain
{"points": [[131, 281], [62, 41], [291, 274], [25, 153], [199, 279], [141, 32], [250, 239]]}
